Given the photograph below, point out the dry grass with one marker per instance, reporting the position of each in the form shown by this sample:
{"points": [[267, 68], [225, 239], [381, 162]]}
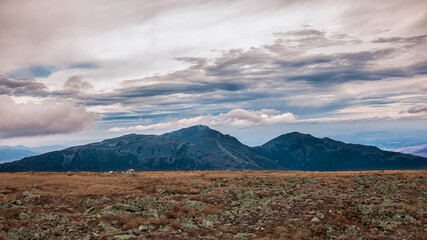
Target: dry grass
{"points": [[211, 210], [179, 211], [159, 221], [294, 198], [84, 184], [175, 225], [10, 213]]}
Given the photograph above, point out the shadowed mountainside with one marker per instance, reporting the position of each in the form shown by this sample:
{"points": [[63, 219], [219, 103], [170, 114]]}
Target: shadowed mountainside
{"points": [[304, 152], [202, 148], [194, 148]]}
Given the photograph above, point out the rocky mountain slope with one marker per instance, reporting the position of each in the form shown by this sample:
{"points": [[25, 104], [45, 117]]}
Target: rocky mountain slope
{"points": [[202, 148], [304, 152], [194, 148]]}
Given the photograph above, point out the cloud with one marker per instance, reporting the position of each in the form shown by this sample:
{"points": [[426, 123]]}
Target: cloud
{"points": [[410, 41], [271, 67], [21, 86], [221, 57], [308, 80], [239, 118], [77, 84], [417, 109], [32, 119]]}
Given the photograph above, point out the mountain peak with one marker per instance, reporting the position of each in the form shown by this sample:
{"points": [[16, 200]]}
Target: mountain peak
{"points": [[296, 134], [193, 132], [199, 127], [292, 136]]}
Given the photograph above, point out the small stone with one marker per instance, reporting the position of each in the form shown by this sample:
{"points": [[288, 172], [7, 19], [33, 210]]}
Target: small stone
{"points": [[23, 216], [105, 227], [14, 234], [120, 209], [123, 237], [206, 223], [352, 229], [47, 217], [129, 172], [89, 211], [315, 219], [244, 236], [29, 195], [16, 203], [196, 205]]}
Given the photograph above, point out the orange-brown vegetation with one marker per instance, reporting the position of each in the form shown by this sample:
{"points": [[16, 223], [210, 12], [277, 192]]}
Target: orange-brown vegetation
{"points": [[211, 210], [224, 205], [175, 225], [179, 211]]}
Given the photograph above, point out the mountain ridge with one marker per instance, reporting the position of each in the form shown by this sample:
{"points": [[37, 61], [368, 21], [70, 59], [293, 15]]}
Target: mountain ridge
{"points": [[202, 148]]}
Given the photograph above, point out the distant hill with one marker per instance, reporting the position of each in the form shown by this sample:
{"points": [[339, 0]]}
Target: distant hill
{"points": [[421, 152], [415, 150], [202, 148], [12, 153], [386, 139]]}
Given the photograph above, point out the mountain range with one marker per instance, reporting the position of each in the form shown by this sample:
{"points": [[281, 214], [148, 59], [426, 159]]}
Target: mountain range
{"points": [[12, 153], [387, 140], [202, 148]]}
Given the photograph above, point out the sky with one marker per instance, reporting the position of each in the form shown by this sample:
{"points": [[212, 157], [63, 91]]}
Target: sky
{"points": [[79, 71]]}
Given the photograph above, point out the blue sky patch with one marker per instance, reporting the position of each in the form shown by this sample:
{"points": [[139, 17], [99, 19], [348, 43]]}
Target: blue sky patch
{"points": [[34, 71]]}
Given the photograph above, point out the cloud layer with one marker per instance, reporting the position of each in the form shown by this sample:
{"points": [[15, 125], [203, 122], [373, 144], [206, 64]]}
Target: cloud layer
{"points": [[239, 118], [32, 119], [169, 64]]}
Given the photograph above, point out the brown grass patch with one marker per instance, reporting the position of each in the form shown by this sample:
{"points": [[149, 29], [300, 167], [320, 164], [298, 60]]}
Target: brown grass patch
{"points": [[211, 210], [10, 213], [159, 221], [179, 211], [175, 225]]}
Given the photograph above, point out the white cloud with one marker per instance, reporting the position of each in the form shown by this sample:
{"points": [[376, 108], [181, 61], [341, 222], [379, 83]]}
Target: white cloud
{"points": [[239, 118], [47, 117]]}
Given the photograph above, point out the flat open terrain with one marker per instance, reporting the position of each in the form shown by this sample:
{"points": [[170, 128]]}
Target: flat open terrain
{"points": [[214, 205]]}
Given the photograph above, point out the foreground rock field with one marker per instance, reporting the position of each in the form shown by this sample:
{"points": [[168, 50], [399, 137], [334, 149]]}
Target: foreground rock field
{"points": [[214, 205]]}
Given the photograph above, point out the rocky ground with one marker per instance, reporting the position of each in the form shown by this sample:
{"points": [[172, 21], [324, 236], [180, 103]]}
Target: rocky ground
{"points": [[214, 205]]}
